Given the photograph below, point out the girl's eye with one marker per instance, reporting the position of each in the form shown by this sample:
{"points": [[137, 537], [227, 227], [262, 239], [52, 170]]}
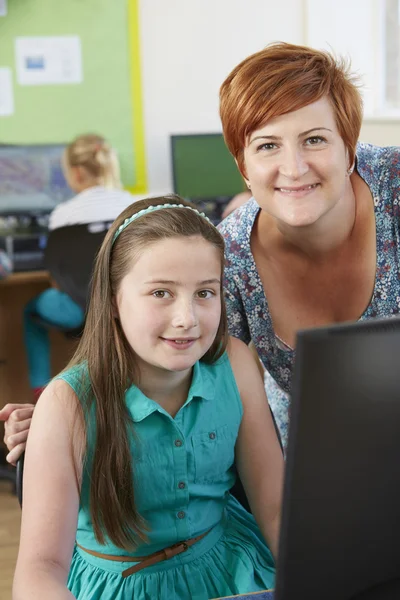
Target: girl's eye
{"points": [[315, 140], [161, 294], [205, 294]]}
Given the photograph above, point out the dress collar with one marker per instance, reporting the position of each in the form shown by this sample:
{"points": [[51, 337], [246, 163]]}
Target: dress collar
{"points": [[140, 406]]}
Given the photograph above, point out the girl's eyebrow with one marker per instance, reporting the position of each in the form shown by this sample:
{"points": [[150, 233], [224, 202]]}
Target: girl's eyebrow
{"points": [[171, 282]]}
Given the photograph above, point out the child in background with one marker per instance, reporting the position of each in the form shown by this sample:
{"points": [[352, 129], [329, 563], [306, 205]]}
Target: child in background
{"points": [[133, 445], [91, 169]]}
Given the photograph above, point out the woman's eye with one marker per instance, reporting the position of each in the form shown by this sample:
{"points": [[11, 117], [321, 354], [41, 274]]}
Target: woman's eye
{"points": [[267, 146], [314, 140], [161, 294]]}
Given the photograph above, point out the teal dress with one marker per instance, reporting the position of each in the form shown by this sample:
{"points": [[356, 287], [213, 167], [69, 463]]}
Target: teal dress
{"points": [[183, 471]]}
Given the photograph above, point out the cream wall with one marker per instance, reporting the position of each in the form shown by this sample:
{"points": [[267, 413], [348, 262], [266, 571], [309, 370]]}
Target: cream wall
{"points": [[381, 132], [189, 46], [187, 49]]}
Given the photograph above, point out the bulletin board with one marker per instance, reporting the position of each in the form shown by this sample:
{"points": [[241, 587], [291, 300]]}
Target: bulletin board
{"points": [[109, 99]]}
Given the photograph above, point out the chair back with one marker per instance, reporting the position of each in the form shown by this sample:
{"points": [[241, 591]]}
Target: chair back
{"points": [[69, 258]]}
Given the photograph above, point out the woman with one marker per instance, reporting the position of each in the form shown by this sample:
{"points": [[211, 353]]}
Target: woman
{"points": [[318, 242]]}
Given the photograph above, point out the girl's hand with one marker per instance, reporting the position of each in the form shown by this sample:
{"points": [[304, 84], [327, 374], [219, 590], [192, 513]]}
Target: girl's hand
{"points": [[17, 419]]}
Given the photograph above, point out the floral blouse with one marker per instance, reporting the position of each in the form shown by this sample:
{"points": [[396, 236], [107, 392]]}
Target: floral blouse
{"points": [[247, 307]]}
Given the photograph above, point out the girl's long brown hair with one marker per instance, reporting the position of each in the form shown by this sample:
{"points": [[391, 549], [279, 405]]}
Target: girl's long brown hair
{"points": [[111, 368]]}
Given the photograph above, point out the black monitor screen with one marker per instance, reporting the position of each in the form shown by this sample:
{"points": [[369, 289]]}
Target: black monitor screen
{"points": [[341, 508], [31, 179], [203, 167]]}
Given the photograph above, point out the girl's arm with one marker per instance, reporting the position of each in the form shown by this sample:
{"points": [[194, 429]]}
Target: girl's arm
{"points": [[52, 473], [259, 456]]}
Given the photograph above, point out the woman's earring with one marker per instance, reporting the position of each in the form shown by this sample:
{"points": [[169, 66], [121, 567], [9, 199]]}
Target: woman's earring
{"points": [[249, 186], [350, 170]]}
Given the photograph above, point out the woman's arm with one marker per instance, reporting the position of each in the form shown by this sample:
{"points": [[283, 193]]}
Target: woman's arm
{"points": [[259, 457], [17, 419], [52, 474]]}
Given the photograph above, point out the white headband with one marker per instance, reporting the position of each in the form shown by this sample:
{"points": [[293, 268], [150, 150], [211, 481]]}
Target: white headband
{"points": [[151, 209]]}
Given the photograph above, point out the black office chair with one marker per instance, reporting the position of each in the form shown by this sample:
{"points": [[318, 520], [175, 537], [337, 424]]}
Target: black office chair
{"points": [[69, 257], [7, 472]]}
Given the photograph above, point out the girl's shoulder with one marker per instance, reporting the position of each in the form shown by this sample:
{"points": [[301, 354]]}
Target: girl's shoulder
{"points": [[77, 378]]}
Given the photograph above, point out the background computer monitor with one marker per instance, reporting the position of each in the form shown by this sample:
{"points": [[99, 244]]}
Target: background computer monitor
{"points": [[341, 510], [204, 171], [31, 179]]}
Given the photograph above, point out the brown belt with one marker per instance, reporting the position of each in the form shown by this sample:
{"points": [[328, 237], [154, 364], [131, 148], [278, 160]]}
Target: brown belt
{"points": [[147, 561]]}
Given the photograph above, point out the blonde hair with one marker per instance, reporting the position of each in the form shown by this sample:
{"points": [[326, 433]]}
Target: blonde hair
{"points": [[97, 157]]}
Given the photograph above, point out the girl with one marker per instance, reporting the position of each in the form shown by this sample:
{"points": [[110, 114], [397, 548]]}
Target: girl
{"points": [[131, 451], [91, 169]]}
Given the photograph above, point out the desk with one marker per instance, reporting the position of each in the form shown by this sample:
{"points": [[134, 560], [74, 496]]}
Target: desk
{"points": [[15, 291], [267, 595]]}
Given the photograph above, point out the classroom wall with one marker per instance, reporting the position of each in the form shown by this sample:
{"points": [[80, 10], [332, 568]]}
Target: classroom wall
{"points": [[189, 46], [103, 101]]}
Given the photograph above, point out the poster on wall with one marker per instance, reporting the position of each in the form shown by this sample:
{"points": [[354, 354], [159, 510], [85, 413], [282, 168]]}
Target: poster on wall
{"points": [[6, 93], [49, 60]]}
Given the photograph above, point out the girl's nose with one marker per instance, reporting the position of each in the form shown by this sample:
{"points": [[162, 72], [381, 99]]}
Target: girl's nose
{"points": [[185, 316]]}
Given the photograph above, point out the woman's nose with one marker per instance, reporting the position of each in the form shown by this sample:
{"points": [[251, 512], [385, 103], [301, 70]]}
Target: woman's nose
{"points": [[293, 164]]}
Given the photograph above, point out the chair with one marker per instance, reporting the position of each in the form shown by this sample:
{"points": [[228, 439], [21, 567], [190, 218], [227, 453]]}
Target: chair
{"points": [[69, 257], [7, 472]]}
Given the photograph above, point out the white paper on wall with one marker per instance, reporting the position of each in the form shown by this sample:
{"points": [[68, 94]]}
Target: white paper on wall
{"points": [[49, 60], [3, 8], [6, 93]]}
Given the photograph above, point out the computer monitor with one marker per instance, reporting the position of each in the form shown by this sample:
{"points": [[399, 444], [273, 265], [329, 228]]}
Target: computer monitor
{"points": [[31, 179], [341, 510], [204, 171]]}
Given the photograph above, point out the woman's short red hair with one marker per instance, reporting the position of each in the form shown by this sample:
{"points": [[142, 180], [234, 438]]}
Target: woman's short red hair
{"points": [[283, 78]]}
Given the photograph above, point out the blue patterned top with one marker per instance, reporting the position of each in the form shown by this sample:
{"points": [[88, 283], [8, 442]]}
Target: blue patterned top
{"points": [[247, 308]]}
